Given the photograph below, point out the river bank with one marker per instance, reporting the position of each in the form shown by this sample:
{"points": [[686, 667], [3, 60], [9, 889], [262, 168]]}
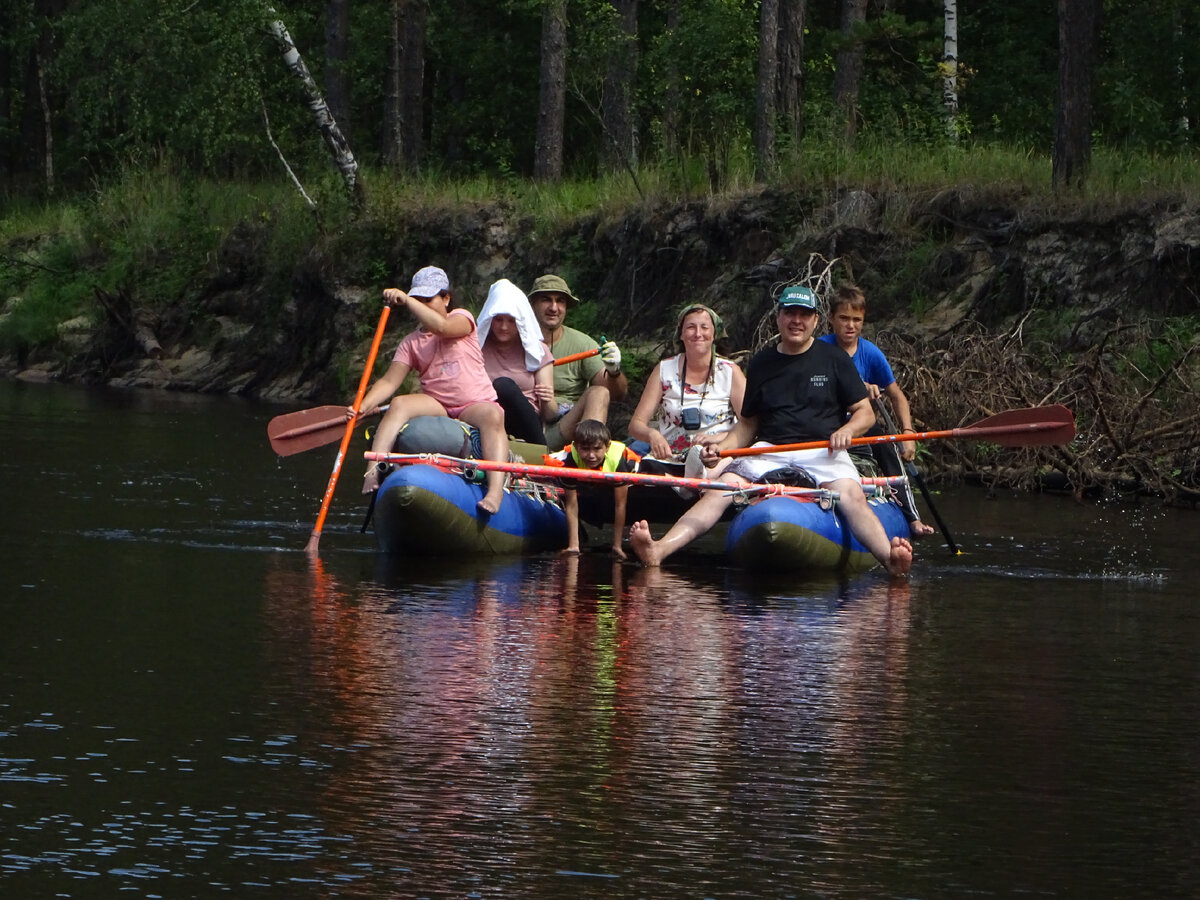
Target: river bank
{"points": [[983, 300]]}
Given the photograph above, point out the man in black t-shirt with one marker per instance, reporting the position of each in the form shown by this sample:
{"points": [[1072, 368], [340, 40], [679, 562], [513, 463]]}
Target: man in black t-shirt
{"points": [[799, 390]]}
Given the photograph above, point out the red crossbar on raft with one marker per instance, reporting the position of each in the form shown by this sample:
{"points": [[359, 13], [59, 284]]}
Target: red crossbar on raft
{"points": [[560, 474]]}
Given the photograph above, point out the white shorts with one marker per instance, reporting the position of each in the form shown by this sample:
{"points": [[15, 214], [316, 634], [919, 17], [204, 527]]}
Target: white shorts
{"points": [[818, 463]]}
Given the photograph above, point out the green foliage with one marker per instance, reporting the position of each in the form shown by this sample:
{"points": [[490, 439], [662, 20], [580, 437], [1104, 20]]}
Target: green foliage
{"points": [[713, 54], [188, 83], [1176, 338]]}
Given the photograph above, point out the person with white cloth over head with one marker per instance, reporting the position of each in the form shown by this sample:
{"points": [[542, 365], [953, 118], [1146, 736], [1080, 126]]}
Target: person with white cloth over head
{"points": [[518, 361]]}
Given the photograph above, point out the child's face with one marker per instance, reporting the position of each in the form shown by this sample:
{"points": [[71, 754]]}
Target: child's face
{"points": [[592, 455], [504, 328], [441, 302], [847, 324]]}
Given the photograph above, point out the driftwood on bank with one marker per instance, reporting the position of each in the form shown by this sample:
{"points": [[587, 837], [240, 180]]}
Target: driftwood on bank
{"points": [[1132, 394], [121, 312]]}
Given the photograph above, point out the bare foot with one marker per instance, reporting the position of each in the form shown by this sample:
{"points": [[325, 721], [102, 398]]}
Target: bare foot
{"points": [[643, 543], [490, 504], [919, 529], [371, 479], [900, 559], [618, 551]]}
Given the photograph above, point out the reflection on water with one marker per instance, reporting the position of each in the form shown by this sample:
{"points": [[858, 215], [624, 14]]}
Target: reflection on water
{"points": [[189, 706]]}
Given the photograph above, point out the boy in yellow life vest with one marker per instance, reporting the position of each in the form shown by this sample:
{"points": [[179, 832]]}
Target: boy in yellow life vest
{"points": [[594, 448]]}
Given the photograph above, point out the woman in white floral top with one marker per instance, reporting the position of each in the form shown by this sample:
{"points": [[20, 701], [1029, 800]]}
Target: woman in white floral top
{"points": [[691, 398]]}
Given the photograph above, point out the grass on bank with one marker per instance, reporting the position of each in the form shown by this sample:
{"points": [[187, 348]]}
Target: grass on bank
{"points": [[155, 233]]}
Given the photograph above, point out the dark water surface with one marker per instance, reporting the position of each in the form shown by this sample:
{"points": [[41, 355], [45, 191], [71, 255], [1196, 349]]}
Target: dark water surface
{"points": [[189, 707]]}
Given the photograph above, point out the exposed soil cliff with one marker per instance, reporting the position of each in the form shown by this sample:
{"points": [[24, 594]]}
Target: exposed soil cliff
{"points": [[982, 302]]}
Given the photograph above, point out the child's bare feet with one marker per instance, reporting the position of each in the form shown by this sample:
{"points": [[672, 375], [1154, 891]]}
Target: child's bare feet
{"points": [[619, 552], [900, 559], [490, 504], [643, 543], [372, 479], [919, 529]]}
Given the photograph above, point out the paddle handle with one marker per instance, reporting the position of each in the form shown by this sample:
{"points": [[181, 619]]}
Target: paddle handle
{"points": [[575, 357], [314, 540]]}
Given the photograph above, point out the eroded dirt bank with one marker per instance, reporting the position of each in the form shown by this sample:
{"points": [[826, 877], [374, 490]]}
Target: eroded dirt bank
{"points": [[982, 303]]}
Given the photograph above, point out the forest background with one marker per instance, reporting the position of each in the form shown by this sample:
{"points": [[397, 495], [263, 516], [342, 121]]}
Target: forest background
{"points": [[209, 196]]}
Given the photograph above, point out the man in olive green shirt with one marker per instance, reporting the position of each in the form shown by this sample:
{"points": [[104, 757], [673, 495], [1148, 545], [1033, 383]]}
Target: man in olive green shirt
{"points": [[582, 388]]}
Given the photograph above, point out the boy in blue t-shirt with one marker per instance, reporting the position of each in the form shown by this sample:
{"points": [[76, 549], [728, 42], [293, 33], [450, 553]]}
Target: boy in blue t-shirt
{"points": [[846, 316]]}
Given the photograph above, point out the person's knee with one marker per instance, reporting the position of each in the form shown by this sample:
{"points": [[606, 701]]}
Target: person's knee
{"points": [[492, 416], [506, 388], [595, 402]]}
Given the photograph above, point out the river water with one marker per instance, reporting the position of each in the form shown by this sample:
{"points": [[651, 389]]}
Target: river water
{"points": [[190, 707]]}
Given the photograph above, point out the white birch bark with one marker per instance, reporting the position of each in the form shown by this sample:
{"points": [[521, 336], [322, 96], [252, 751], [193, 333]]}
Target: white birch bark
{"points": [[328, 127], [47, 123], [950, 68], [1180, 76]]}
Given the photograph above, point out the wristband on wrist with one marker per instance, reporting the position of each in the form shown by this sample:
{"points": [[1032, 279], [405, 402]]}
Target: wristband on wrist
{"points": [[908, 430]]}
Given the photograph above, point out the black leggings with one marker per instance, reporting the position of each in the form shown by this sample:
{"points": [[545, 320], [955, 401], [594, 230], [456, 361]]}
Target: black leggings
{"points": [[521, 420]]}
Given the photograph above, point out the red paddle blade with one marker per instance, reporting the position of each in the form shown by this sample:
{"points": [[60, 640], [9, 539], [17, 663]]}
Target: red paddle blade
{"points": [[306, 429], [1034, 427]]}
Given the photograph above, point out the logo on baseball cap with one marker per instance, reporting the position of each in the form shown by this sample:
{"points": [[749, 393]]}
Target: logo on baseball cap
{"points": [[798, 295]]}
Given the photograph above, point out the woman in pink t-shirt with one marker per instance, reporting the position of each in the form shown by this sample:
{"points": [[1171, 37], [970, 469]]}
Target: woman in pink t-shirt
{"points": [[518, 361], [445, 355]]}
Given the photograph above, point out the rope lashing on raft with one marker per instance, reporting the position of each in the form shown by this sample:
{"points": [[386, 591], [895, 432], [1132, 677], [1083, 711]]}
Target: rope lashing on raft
{"points": [[557, 475]]}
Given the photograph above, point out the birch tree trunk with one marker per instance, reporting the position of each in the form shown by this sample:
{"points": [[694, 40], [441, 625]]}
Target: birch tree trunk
{"points": [[1078, 34], [791, 67], [768, 79], [950, 68], [326, 124], [337, 51], [47, 123], [848, 68], [619, 76], [552, 93], [1181, 82]]}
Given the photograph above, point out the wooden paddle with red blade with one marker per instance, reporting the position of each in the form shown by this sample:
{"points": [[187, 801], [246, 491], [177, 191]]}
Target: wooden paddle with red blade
{"points": [[307, 429]]}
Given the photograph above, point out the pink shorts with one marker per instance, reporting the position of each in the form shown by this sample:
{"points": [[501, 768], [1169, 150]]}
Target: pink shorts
{"points": [[455, 411]]}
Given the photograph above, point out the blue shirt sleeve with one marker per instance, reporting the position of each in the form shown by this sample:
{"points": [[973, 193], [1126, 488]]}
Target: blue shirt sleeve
{"points": [[872, 365]]}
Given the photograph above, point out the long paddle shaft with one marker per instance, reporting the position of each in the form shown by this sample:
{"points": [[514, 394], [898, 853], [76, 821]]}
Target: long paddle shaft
{"points": [[1034, 427], [914, 474], [313, 542], [595, 476]]}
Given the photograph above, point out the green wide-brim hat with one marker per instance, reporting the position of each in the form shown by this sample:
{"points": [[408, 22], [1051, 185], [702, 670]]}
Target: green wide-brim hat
{"points": [[552, 283]]}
